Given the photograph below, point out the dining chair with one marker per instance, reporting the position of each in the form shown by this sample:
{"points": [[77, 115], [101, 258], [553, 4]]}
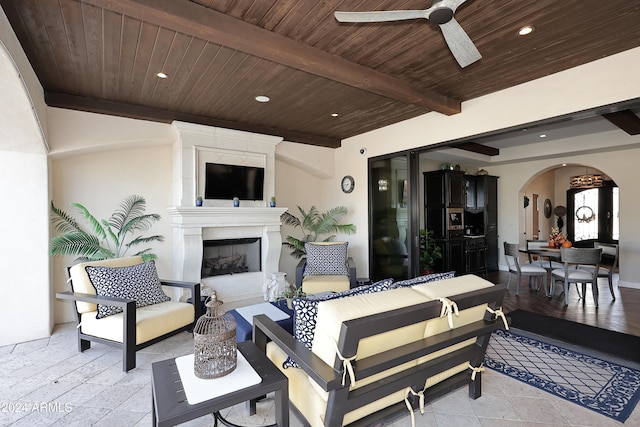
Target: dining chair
{"points": [[613, 251], [571, 258], [549, 264], [511, 253]]}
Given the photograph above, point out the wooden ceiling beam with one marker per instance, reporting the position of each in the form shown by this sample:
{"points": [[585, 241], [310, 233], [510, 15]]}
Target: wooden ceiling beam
{"points": [[120, 109], [215, 27], [626, 120], [474, 147]]}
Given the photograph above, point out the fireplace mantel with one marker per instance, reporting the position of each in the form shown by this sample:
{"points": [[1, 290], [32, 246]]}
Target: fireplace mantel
{"points": [[185, 217]]}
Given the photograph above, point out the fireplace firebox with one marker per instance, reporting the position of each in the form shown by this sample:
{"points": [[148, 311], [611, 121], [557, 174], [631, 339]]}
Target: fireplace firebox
{"points": [[231, 256]]}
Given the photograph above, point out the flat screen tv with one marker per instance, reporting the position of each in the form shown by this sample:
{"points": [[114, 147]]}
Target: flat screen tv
{"points": [[229, 181]]}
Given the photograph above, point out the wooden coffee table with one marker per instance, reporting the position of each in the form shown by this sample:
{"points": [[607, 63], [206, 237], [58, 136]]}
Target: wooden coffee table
{"points": [[169, 401]]}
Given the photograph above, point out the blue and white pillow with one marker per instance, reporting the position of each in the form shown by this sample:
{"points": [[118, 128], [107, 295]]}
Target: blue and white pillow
{"points": [[138, 282], [326, 258], [423, 279], [305, 312]]}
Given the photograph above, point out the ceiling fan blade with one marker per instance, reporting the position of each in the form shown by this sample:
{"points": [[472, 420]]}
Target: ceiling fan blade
{"points": [[380, 16], [459, 43]]}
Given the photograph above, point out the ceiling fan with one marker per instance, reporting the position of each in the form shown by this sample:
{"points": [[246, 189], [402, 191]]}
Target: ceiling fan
{"points": [[441, 13]]}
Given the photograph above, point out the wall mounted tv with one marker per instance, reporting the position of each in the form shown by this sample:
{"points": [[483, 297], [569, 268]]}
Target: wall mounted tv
{"points": [[229, 181]]}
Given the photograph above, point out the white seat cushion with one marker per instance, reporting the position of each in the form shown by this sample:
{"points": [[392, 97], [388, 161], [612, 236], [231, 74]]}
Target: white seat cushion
{"points": [[602, 271], [532, 269], [574, 274]]}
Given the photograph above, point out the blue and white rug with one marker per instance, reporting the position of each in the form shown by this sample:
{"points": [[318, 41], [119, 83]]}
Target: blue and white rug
{"points": [[605, 387]]}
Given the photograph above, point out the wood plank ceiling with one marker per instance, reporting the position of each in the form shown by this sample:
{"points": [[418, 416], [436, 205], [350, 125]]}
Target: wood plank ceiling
{"points": [[103, 56]]}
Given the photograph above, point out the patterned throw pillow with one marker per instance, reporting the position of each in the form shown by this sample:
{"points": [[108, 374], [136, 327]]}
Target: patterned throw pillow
{"points": [[138, 282], [327, 258], [305, 312], [423, 279]]}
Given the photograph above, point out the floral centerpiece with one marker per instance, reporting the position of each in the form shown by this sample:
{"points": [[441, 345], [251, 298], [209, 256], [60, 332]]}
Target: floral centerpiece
{"points": [[556, 238]]}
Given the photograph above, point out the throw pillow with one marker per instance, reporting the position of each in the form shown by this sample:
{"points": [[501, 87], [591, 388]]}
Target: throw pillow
{"points": [[326, 258], [423, 279], [138, 282], [305, 312]]}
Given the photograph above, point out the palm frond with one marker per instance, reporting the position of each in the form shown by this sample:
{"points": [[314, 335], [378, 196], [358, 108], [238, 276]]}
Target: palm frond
{"points": [[82, 244], [139, 223], [290, 220], [63, 222], [131, 207], [142, 239], [109, 230], [93, 222]]}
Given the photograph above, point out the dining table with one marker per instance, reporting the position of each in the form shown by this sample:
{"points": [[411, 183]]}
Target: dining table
{"points": [[552, 254]]}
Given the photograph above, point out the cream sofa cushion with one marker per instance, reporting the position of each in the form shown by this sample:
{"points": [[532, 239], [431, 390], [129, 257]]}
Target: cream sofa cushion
{"points": [[445, 289], [152, 321], [82, 284], [325, 283]]}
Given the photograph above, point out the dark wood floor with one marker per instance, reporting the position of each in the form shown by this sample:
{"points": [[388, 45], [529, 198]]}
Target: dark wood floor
{"points": [[621, 315]]}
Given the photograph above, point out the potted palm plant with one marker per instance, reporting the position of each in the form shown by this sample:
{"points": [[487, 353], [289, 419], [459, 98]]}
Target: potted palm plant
{"points": [[104, 239], [315, 226], [430, 252]]}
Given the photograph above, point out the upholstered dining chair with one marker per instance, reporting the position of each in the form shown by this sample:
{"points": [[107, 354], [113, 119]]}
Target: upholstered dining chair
{"points": [[571, 258], [613, 251], [511, 253]]}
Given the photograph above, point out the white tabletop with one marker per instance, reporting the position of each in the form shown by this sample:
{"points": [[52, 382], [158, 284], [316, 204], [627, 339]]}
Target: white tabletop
{"points": [[199, 390], [272, 312]]}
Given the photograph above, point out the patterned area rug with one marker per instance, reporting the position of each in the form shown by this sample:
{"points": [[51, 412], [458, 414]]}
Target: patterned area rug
{"points": [[607, 388]]}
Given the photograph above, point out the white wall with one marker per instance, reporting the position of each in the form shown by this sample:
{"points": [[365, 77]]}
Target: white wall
{"points": [[25, 306], [100, 179]]}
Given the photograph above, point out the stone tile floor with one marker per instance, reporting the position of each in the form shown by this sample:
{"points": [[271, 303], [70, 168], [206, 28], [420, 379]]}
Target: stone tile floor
{"points": [[48, 383]]}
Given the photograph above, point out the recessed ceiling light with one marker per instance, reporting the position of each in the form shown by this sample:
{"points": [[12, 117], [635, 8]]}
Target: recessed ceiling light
{"points": [[262, 98], [543, 135], [564, 164], [162, 75], [526, 30], [334, 114]]}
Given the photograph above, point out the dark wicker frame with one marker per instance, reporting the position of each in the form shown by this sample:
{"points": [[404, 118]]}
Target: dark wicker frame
{"points": [[128, 346], [342, 401]]}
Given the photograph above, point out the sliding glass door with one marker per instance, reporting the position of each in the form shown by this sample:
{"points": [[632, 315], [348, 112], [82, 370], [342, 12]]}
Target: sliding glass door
{"points": [[393, 234]]}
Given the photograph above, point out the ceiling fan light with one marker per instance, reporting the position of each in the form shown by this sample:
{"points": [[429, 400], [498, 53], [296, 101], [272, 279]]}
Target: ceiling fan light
{"points": [[526, 30]]}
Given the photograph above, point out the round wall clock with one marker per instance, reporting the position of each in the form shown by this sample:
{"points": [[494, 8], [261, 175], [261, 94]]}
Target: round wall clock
{"points": [[547, 208], [347, 184]]}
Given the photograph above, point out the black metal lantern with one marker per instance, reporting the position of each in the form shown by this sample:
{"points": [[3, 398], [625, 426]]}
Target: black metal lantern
{"points": [[214, 342]]}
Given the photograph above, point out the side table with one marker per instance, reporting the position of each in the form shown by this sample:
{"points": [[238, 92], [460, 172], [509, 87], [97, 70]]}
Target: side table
{"points": [[169, 401]]}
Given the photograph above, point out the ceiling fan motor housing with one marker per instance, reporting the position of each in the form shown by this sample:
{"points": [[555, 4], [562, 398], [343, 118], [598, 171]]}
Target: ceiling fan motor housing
{"points": [[440, 15]]}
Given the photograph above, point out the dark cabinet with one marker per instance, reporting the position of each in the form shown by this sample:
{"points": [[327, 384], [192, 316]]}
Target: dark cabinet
{"points": [[475, 251], [470, 245]]}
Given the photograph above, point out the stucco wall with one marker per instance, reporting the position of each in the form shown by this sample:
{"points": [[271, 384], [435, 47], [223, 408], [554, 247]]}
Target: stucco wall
{"points": [[25, 306]]}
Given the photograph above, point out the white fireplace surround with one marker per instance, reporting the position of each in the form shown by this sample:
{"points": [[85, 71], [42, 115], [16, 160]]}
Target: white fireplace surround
{"points": [[193, 225], [217, 219]]}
